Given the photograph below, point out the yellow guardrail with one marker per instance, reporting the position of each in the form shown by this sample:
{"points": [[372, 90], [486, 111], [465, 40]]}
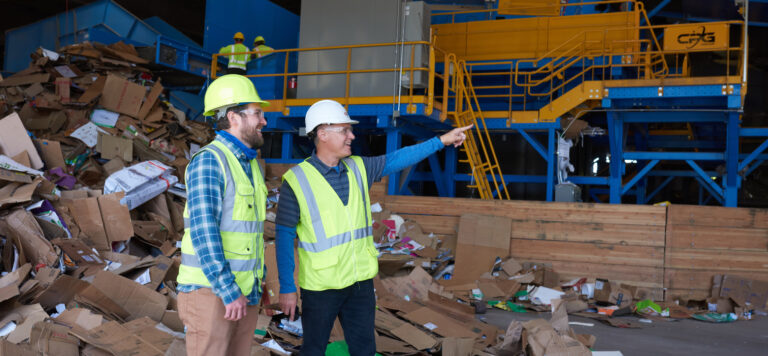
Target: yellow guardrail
{"points": [[348, 72]]}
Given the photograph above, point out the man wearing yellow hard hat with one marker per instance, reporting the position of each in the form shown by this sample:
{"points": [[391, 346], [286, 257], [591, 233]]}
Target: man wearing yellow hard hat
{"points": [[222, 250], [260, 47], [239, 57]]}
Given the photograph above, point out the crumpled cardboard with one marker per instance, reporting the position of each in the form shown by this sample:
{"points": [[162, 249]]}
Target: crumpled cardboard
{"points": [[26, 234], [138, 300], [542, 339], [54, 340]]}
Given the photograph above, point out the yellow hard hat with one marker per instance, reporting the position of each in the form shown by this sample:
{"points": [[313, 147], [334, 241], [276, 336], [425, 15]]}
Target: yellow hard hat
{"points": [[230, 90], [239, 36], [258, 38]]}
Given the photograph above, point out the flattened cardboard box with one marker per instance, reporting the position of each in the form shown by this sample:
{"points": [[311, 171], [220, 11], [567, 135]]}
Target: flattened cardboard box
{"points": [[120, 95], [54, 340], [138, 300], [103, 219], [481, 239], [14, 140]]}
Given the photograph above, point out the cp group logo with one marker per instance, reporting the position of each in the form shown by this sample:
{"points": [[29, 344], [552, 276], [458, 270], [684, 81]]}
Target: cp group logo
{"points": [[700, 35]]}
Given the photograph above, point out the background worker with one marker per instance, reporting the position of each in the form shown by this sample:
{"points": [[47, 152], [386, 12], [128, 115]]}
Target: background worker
{"points": [[237, 62], [324, 200], [261, 48], [222, 251]]}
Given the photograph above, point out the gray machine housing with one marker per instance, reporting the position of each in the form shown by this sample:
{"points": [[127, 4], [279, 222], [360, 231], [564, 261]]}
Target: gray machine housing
{"points": [[351, 22]]}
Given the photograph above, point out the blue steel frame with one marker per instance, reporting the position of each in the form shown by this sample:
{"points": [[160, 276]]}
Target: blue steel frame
{"points": [[709, 104]]}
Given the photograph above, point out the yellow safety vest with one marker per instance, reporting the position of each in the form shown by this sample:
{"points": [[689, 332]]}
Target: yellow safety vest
{"points": [[241, 226], [236, 60], [335, 241], [263, 50]]}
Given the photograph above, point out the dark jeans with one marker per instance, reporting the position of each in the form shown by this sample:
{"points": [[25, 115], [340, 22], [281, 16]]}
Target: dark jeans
{"points": [[355, 306], [235, 71]]}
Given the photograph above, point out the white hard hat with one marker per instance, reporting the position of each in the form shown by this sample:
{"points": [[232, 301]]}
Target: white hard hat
{"points": [[326, 112]]}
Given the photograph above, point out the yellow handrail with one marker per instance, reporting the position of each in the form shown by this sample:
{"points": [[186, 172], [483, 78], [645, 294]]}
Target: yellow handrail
{"points": [[348, 71]]}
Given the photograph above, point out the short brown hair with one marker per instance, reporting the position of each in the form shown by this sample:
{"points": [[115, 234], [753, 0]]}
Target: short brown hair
{"points": [[223, 122]]}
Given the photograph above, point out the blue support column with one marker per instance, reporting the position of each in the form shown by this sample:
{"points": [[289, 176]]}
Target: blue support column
{"points": [[732, 179], [286, 150], [450, 170], [658, 189], [394, 138], [439, 176], [550, 163], [616, 141]]}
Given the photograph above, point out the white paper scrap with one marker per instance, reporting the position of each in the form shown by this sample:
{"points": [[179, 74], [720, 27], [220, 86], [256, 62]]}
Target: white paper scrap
{"points": [[104, 118], [65, 71], [88, 133], [11, 165], [144, 278]]}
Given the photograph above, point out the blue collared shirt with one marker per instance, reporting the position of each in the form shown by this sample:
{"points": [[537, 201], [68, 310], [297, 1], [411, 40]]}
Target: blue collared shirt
{"points": [[205, 191]]}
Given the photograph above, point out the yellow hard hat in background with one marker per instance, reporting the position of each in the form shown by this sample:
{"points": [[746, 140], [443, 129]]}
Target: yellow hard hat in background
{"points": [[258, 38], [229, 90], [239, 36]]}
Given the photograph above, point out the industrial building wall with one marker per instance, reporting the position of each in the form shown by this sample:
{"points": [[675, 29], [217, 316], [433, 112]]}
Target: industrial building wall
{"points": [[224, 18]]}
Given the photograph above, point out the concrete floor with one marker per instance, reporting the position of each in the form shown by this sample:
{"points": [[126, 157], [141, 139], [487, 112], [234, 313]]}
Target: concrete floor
{"points": [[684, 337]]}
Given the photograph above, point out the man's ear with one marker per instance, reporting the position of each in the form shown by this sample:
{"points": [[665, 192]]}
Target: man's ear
{"points": [[234, 119]]}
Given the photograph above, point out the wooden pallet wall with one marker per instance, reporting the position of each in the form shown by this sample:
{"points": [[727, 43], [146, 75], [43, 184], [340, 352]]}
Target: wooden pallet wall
{"points": [[703, 241], [678, 248], [624, 243]]}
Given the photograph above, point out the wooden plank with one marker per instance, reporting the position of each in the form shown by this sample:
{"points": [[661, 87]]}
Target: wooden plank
{"points": [[720, 238], [589, 232], [526, 210], [718, 216], [721, 260], [680, 278], [587, 253], [651, 277], [686, 294]]}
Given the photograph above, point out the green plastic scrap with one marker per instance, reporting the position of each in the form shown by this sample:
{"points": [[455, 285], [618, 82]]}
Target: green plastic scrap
{"points": [[716, 317], [648, 307], [339, 348], [517, 308]]}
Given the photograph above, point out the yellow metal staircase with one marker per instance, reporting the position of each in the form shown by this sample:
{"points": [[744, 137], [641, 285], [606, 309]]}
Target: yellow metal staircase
{"points": [[478, 147]]}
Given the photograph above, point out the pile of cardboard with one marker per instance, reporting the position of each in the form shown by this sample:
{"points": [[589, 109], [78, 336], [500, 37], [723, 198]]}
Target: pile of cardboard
{"points": [[89, 226]]}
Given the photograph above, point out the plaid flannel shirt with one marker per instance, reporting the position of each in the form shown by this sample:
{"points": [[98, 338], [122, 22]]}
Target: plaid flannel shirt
{"points": [[205, 188]]}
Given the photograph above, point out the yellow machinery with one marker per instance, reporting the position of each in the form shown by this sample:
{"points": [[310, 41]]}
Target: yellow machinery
{"points": [[554, 65]]}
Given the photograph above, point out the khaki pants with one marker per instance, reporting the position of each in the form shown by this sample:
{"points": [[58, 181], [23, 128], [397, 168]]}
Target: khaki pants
{"points": [[208, 333]]}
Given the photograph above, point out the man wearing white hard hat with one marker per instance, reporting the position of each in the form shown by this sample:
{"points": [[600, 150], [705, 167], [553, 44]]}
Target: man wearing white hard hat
{"points": [[324, 201]]}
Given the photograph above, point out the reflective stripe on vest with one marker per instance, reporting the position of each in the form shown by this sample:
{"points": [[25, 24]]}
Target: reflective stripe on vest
{"points": [[324, 242], [233, 62], [234, 265], [227, 223]]}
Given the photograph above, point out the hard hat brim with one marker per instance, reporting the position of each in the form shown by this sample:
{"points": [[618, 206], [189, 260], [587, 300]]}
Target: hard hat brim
{"points": [[263, 104]]}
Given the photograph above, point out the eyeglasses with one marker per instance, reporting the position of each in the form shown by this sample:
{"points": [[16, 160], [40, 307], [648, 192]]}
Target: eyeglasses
{"points": [[339, 129], [253, 112]]}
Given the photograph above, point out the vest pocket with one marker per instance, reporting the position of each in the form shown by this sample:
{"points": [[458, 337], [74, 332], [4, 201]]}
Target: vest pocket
{"points": [[243, 246], [322, 262]]}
